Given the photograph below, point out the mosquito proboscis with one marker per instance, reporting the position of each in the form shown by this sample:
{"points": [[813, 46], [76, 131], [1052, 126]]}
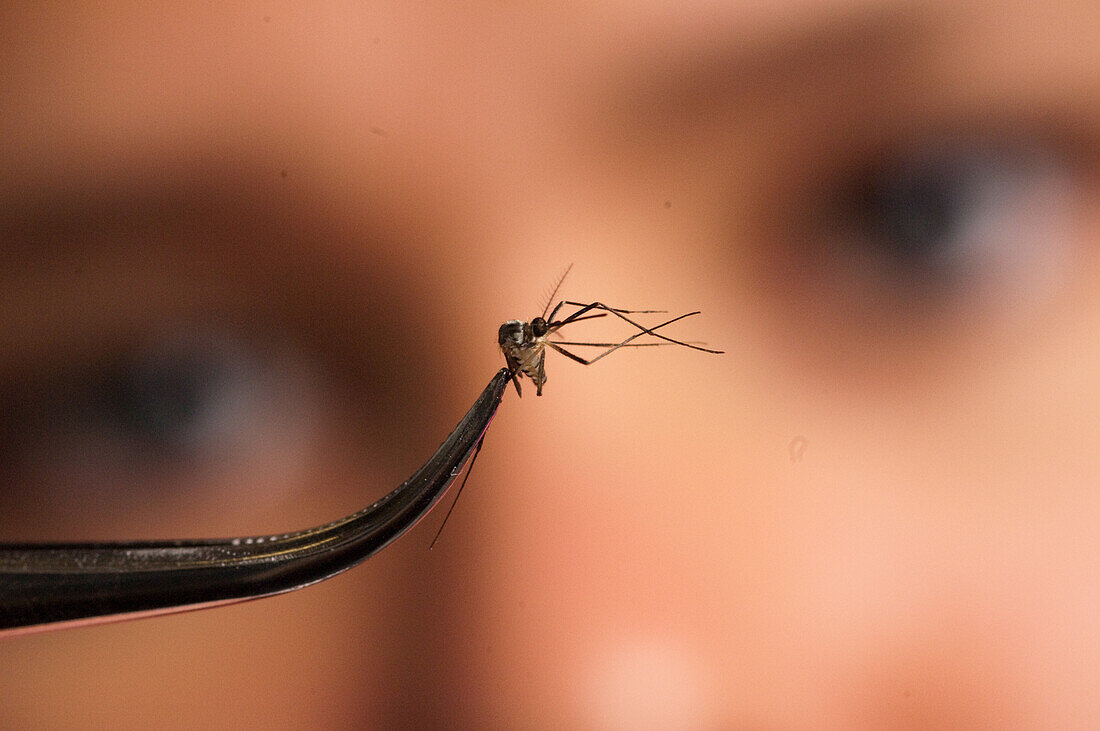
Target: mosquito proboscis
{"points": [[524, 344]]}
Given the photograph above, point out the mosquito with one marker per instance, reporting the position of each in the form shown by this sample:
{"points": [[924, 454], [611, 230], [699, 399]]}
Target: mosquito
{"points": [[524, 344]]}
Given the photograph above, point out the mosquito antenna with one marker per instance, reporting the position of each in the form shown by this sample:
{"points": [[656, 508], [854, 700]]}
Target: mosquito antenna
{"points": [[477, 451], [554, 291]]}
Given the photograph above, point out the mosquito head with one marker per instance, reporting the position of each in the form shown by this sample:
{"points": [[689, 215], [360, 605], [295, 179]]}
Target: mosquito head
{"points": [[510, 333], [539, 327]]}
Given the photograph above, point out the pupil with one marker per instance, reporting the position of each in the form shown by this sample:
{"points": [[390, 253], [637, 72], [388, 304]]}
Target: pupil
{"points": [[163, 403], [918, 211]]}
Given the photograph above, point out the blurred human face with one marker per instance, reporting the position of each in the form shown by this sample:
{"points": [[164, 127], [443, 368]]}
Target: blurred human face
{"points": [[254, 259]]}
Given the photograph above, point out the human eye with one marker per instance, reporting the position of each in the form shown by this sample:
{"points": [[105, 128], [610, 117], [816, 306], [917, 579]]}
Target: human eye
{"points": [[174, 365], [879, 193], [947, 229], [174, 413]]}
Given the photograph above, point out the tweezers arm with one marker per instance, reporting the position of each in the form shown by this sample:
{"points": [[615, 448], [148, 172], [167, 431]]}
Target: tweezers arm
{"points": [[46, 586]]}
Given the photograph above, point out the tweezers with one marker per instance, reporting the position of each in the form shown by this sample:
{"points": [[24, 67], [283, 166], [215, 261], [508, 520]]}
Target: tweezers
{"points": [[47, 586]]}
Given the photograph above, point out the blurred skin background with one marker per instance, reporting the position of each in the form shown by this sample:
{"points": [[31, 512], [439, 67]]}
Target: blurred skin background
{"points": [[252, 263]]}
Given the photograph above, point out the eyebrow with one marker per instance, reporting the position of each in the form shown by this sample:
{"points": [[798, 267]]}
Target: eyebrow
{"points": [[69, 214], [752, 70]]}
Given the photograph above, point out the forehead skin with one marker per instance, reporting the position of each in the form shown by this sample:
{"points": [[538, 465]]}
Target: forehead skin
{"points": [[640, 548]]}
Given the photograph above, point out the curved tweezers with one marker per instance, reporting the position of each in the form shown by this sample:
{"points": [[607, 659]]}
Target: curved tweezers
{"points": [[47, 586]]}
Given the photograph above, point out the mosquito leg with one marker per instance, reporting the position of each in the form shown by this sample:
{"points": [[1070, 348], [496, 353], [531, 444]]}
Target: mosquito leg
{"points": [[575, 316], [541, 371], [625, 343], [572, 318], [584, 361], [477, 451], [513, 366], [612, 345], [585, 308], [642, 331], [601, 306], [619, 314], [586, 317], [567, 354]]}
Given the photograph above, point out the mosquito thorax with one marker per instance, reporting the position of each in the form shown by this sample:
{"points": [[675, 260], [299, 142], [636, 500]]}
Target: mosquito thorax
{"points": [[539, 327], [510, 333]]}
